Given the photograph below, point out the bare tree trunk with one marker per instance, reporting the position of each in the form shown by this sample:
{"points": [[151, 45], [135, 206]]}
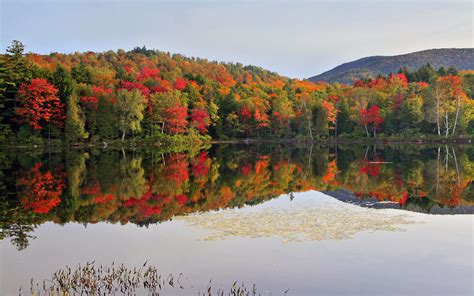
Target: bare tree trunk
{"points": [[123, 135], [458, 109], [366, 131], [446, 123], [437, 170], [309, 122], [446, 158], [457, 167], [366, 152], [437, 114]]}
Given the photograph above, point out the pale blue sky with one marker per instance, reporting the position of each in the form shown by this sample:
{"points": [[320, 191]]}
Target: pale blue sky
{"points": [[293, 38]]}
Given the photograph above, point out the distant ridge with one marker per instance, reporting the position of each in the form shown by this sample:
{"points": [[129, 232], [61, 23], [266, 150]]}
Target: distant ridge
{"points": [[460, 58]]}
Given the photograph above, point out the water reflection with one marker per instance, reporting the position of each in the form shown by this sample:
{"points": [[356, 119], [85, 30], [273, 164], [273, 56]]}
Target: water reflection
{"points": [[142, 187]]}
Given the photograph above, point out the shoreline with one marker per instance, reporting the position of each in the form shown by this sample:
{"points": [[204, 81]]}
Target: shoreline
{"points": [[139, 143], [348, 196]]}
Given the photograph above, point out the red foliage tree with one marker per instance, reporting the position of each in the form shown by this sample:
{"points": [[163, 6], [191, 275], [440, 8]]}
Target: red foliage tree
{"points": [[39, 104], [90, 102], [135, 85], [400, 77], [147, 73], [375, 118], [359, 83], [331, 112], [261, 118], [245, 113], [199, 119], [370, 118], [175, 118], [179, 83]]}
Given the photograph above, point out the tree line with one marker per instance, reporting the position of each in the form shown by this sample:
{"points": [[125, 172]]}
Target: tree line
{"points": [[147, 94]]}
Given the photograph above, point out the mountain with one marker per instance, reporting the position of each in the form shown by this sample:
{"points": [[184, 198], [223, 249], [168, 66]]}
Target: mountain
{"points": [[459, 58]]}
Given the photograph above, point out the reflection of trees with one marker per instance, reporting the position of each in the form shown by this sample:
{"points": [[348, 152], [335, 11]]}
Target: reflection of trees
{"points": [[131, 178], [40, 190], [450, 177], [143, 188], [16, 223]]}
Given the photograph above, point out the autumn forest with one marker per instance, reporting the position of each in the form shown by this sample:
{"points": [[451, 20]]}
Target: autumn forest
{"points": [[157, 97]]}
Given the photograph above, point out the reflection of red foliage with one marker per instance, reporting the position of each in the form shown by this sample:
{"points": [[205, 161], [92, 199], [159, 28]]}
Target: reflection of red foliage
{"points": [[91, 189], [100, 199], [398, 179], [201, 166], [370, 168], [246, 169], [41, 191], [456, 193], [403, 199], [259, 165], [378, 195], [176, 168], [181, 199], [151, 210], [331, 172]]}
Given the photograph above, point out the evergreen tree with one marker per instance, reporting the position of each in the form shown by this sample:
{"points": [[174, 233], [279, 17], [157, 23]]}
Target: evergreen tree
{"points": [[62, 79]]}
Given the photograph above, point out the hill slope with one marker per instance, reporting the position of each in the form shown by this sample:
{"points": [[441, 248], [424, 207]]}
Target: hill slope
{"points": [[460, 58]]}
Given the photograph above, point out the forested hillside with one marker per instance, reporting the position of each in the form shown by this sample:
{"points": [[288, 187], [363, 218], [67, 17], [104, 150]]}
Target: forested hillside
{"points": [[458, 58], [87, 98]]}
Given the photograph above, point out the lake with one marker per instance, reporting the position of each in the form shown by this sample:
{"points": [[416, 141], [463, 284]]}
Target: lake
{"points": [[295, 219]]}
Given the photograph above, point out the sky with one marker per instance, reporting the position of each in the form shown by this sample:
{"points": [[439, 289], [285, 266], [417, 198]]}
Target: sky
{"points": [[294, 38]]}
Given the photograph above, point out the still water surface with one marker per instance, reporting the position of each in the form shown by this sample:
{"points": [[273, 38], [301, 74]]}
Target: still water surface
{"points": [[252, 214]]}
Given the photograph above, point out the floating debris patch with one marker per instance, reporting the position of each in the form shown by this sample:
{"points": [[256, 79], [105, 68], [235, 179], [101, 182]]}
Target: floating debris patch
{"points": [[296, 224]]}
